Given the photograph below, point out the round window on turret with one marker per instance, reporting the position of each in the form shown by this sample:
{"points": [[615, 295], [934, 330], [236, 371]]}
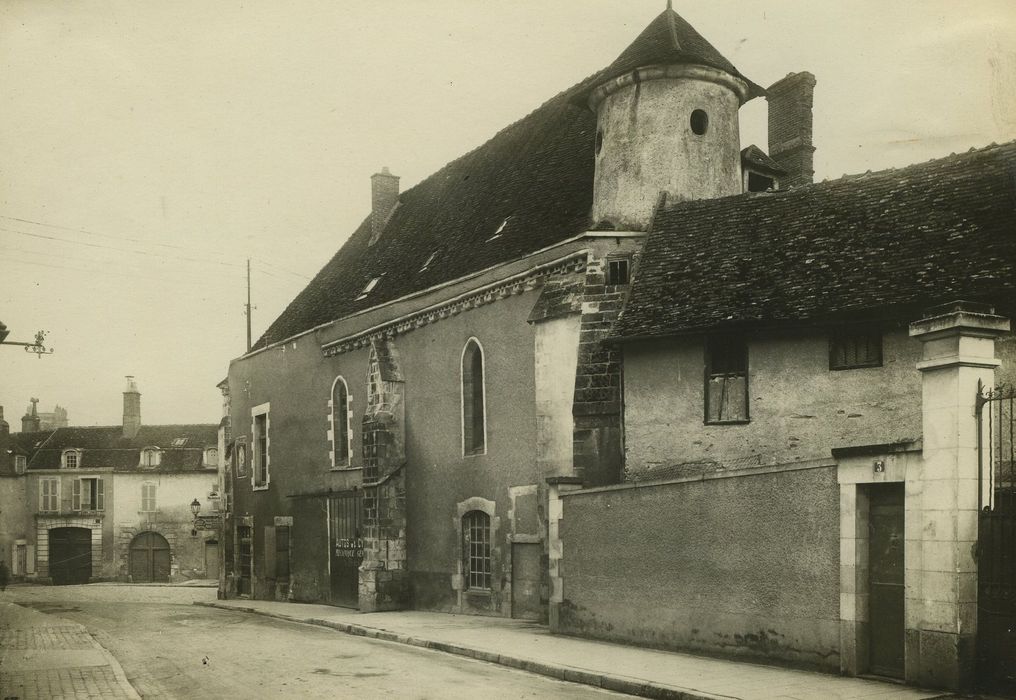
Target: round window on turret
{"points": [[699, 122], [599, 141]]}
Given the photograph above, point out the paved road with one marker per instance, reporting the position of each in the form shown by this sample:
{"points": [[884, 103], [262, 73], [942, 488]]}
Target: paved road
{"points": [[170, 648]]}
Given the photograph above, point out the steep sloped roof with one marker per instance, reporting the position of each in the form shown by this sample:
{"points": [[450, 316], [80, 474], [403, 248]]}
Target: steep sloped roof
{"points": [[533, 181], [670, 39], [182, 446], [894, 241]]}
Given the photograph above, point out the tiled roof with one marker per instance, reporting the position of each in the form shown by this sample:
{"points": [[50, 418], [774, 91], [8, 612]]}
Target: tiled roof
{"points": [[535, 178], [894, 242], [182, 446], [756, 157], [670, 39]]}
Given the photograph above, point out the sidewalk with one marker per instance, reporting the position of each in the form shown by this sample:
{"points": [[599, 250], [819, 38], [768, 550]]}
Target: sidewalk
{"points": [[531, 647], [45, 657]]}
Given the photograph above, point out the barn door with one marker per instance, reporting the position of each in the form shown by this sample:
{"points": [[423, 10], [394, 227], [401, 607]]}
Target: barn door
{"points": [[149, 558]]}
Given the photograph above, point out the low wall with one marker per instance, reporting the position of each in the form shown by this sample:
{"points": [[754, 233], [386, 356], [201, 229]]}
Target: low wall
{"points": [[734, 565]]}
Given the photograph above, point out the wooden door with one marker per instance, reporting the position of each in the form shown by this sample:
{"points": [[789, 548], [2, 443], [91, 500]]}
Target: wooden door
{"points": [[526, 581], [149, 558], [70, 555], [885, 580], [345, 513], [212, 560]]}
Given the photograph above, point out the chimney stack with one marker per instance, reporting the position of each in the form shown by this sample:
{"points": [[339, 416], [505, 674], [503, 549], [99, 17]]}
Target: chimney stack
{"points": [[5, 429], [30, 421], [384, 197], [790, 127], [131, 409]]}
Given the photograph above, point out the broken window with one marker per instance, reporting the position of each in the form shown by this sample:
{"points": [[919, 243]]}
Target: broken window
{"points": [[726, 380], [852, 347]]}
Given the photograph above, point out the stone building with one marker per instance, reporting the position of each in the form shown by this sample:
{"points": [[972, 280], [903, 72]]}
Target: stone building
{"points": [[82, 504], [451, 415]]}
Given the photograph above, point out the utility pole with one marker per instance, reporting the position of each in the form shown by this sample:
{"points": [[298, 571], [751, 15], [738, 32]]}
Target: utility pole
{"points": [[248, 305]]}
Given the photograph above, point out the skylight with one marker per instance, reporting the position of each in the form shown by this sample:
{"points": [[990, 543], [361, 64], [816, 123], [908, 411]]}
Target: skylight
{"points": [[497, 234], [369, 287], [179, 442], [429, 261]]}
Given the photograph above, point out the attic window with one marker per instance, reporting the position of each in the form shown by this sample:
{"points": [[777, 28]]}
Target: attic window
{"points": [[179, 442], [497, 234], [71, 459], [151, 457], [699, 122], [370, 286], [617, 271], [760, 183], [429, 261]]}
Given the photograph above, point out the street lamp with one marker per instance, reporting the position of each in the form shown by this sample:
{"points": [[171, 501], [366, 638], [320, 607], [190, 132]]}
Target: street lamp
{"points": [[195, 508]]}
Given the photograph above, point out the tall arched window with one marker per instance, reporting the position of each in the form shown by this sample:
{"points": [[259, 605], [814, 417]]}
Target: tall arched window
{"points": [[340, 423], [474, 432], [476, 547]]}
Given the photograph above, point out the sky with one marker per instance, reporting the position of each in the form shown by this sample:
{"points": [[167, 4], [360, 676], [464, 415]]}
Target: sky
{"points": [[148, 149]]}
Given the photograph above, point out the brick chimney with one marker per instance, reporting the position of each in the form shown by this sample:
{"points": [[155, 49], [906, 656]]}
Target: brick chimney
{"points": [[384, 197], [30, 421], [131, 409], [790, 127]]}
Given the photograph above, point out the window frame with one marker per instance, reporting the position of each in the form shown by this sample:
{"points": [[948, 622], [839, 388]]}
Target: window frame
{"points": [[609, 279], [482, 449], [486, 573], [55, 494], [70, 452], [97, 505], [842, 334], [150, 452], [210, 457], [335, 421], [153, 498], [261, 457], [709, 375], [20, 464]]}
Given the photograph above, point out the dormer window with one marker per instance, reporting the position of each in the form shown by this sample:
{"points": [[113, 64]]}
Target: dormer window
{"points": [[179, 442], [211, 457], [71, 459], [151, 457], [370, 286]]}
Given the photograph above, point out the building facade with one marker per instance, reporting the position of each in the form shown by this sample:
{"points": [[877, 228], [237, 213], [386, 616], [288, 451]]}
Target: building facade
{"points": [[111, 503]]}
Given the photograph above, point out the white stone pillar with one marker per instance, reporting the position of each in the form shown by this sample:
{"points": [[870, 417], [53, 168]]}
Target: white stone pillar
{"points": [[941, 580], [555, 547]]}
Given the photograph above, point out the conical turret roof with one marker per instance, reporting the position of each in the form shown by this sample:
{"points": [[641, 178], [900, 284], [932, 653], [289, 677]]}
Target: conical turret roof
{"points": [[669, 39]]}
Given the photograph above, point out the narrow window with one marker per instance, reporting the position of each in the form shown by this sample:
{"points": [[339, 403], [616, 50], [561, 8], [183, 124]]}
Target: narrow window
{"points": [[260, 445], [726, 380], [476, 547], [340, 423], [148, 497], [240, 457], [49, 495], [853, 347], [617, 271], [20, 464], [474, 437]]}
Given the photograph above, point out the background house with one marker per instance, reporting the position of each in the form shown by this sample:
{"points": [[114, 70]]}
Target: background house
{"points": [[111, 503]]}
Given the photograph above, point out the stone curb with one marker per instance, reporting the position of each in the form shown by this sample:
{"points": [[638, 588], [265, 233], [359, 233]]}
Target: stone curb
{"points": [[620, 684]]}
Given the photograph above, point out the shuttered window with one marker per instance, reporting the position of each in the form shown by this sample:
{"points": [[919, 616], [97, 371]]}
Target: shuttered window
{"points": [[49, 495], [148, 504], [854, 347], [88, 494]]}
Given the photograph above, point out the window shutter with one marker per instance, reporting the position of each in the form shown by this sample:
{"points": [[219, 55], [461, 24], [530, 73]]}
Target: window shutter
{"points": [[30, 559], [76, 495], [269, 567], [43, 490], [100, 496]]}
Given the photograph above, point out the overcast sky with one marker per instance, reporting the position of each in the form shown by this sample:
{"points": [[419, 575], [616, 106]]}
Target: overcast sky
{"points": [[148, 148]]}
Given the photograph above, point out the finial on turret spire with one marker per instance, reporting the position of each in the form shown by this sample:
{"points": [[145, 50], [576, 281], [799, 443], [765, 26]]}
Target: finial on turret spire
{"points": [[670, 4]]}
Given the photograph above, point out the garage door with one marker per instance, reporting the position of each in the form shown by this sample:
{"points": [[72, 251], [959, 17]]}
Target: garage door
{"points": [[149, 558], [70, 555]]}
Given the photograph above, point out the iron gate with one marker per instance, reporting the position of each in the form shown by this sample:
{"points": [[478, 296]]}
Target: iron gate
{"points": [[345, 528], [996, 539]]}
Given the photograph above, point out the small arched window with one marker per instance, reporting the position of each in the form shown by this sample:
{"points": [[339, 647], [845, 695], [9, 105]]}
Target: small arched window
{"points": [[151, 457], [476, 548], [474, 427], [340, 423]]}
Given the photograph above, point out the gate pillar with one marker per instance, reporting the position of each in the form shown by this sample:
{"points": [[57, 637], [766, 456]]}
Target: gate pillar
{"points": [[942, 502]]}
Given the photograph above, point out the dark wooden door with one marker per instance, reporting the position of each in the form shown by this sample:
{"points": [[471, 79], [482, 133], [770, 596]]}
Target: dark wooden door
{"points": [[70, 555], [345, 513], [149, 558], [885, 580], [526, 581]]}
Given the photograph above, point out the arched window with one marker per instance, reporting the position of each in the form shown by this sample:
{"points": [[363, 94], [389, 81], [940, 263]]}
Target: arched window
{"points": [[151, 457], [474, 430], [340, 423], [476, 548]]}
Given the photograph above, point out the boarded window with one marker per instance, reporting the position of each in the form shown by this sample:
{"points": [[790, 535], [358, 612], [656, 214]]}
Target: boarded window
{"points": [[474, 438], [340, 423], [852, 347], [476, 547], [726, 380]]}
